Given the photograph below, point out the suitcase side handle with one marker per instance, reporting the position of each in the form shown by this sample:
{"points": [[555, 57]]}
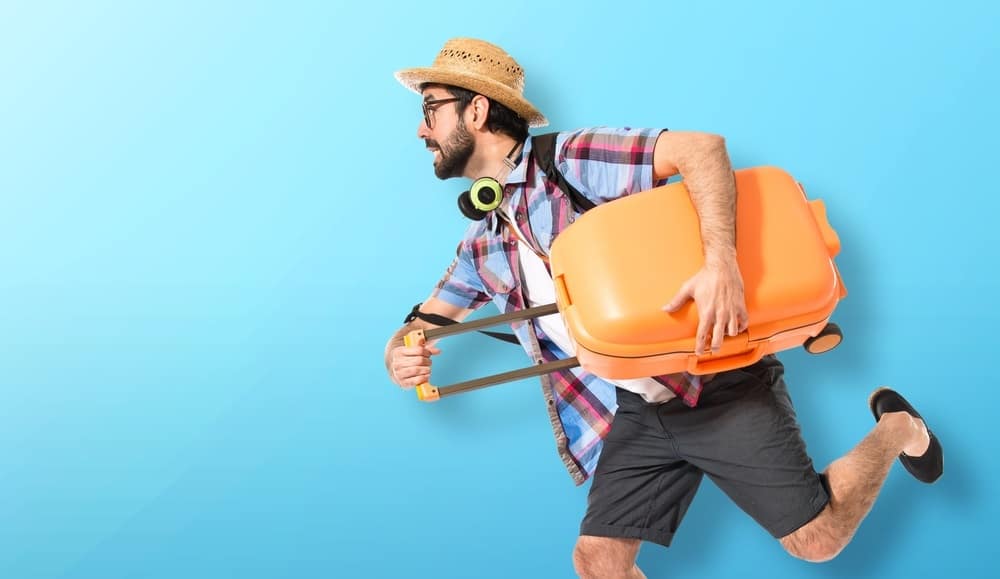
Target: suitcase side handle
{"points": [[562, 294], [714, 365], [830, 237]]}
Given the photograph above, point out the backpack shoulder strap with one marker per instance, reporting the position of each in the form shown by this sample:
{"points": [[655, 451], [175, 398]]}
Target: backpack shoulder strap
{"points": [[544, 147]]}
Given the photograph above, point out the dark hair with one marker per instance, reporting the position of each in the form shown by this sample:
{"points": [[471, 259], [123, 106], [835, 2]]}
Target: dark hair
{"points": [[500, 118]]}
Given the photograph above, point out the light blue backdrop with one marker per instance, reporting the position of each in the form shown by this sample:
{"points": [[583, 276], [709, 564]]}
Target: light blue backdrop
{"points": [[213, 214]]}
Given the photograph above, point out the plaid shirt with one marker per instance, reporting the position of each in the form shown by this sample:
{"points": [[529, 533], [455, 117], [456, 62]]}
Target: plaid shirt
{"points": [[603, 164]]}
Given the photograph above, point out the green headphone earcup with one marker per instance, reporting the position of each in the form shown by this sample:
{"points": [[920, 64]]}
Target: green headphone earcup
{"points": [[486, 194]]}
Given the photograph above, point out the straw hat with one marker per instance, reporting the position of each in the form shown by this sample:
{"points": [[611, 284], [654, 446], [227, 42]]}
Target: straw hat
{"points": [[478, 66]]}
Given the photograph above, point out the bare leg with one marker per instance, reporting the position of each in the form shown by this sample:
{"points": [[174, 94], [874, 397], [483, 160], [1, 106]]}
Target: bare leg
{"points": [[606, 558], [855, 481]]}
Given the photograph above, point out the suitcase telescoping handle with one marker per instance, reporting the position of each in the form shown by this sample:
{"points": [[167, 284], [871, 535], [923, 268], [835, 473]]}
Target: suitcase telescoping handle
{"points": [[428, 393]]}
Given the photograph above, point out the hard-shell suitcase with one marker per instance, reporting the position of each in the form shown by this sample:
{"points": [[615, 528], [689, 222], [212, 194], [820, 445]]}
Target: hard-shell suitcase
{"points": [[617, 266]]}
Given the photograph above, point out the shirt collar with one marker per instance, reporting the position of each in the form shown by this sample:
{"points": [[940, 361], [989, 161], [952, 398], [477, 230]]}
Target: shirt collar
{"points": [[519, 174]]}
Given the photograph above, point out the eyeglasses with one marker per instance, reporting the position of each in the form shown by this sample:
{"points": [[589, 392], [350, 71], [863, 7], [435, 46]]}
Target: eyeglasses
{"points": [[431, 105]]}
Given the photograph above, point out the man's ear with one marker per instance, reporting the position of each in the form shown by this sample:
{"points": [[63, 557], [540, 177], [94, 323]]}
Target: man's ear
{"points": [[480, 106]]}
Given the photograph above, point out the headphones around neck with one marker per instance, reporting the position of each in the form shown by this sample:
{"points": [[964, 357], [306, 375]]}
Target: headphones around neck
{"points": [[486, 193], [484, 196]]}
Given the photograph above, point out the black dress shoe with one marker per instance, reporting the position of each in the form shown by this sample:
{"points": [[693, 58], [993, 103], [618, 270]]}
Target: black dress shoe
{"points": [[927, 467]]}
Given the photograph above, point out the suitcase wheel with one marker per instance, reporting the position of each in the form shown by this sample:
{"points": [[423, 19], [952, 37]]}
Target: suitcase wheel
{"points": [[828, 339]]}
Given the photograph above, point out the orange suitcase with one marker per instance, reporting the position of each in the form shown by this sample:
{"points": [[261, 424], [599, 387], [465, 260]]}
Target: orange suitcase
{"points": [[620, 263], [617, 266]]}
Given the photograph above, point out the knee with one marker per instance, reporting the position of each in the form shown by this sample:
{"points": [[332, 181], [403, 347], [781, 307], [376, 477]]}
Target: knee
{"points": [[587, 558], [817, 552], [814, 544], [601, 557]]}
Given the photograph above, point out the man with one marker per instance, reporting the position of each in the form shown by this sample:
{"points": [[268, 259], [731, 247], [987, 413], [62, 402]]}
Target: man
{"points": [[738, 427]]}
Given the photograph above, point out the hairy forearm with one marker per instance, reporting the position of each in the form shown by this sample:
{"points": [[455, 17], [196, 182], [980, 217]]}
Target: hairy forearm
{"points": [[708, 176], [718, 287]]}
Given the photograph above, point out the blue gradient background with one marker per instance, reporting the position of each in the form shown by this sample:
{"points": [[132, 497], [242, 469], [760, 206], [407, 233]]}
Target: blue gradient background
{"points": [[214, 214]]}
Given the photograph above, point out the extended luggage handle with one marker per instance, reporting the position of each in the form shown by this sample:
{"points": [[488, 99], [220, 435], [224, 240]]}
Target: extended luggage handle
{"points": [[428, 393]]}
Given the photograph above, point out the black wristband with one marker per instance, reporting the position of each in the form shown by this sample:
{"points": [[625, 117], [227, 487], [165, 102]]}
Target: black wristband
{"points": [[435, 319]]}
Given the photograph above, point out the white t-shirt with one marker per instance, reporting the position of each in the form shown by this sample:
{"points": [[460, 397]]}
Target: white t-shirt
{"points": [[540, 290]]}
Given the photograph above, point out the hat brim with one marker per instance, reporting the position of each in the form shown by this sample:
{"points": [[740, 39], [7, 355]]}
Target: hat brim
{"points": [[412, 78]]}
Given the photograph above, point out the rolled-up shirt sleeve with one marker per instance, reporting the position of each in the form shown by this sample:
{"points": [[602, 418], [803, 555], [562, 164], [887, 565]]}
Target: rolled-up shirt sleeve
{"points": [[605, 164], [461, 285]]}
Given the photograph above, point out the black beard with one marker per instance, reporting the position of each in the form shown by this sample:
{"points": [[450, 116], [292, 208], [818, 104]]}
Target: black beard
{"points": [[455, 153]]}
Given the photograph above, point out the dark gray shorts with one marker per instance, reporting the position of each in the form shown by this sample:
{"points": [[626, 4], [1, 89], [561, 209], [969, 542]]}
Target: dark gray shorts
{"points": [[743, 434]]}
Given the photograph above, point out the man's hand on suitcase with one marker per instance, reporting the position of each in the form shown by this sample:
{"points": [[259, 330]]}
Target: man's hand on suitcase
{"points": [[717, 291], [411, 365]]}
